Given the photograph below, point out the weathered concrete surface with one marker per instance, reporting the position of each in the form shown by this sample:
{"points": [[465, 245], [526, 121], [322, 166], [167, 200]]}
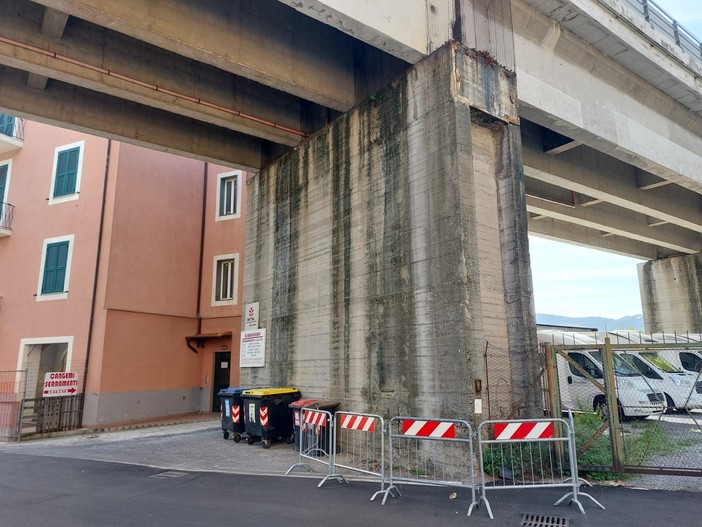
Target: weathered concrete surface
{"points": [[384, 251], [671, 294]]}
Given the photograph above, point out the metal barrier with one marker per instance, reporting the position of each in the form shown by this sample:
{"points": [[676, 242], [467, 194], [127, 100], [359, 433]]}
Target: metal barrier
{"points": [[530, 453], [359, 446], [316, 442], [431, 452]]}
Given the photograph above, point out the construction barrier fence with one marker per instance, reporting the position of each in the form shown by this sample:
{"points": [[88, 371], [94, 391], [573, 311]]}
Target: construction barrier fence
{"points": [[529, 453], [430, 452]]}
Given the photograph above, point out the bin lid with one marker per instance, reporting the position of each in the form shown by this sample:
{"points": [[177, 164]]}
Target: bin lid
{"points": [[232, 391], [303, 403], [328, 405], [271, 391]]}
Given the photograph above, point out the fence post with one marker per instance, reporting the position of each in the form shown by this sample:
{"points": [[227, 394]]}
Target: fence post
{"points": [[554, 393], [615, 426]]}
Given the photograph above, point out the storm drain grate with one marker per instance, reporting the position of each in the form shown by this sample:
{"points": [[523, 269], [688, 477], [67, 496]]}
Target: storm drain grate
{"points": [[539, 520], [169, 474]]}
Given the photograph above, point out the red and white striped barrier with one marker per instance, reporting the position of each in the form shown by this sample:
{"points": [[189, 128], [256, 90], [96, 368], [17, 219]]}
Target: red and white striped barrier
{"points": [[316, 418], [364, 423], [430, 452], [531, 453], [523, 430], [436, 429]]}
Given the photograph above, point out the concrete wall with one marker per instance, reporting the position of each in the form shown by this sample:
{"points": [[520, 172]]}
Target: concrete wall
{"points": [[671, 294], [379, 251]]}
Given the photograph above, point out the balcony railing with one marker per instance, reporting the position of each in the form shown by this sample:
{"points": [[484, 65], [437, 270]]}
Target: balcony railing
{"points": [[7, 212], [12, 126]]}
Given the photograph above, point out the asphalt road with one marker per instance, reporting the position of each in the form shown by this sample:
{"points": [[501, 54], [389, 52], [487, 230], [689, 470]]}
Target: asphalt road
{"points": [[191, 477]]}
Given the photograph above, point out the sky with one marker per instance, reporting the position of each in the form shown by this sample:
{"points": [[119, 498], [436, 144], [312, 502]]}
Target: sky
{"points": [[575, 281]]}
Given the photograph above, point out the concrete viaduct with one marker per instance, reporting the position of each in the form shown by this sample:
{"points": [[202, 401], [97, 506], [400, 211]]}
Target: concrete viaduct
{"points": [[403, 151]]}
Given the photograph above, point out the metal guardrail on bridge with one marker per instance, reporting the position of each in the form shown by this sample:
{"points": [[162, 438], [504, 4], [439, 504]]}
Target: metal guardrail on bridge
{"points": [[662, 21]]}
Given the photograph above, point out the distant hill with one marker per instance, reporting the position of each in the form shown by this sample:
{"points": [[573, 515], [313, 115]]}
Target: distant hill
{"points": [[634, 322]]}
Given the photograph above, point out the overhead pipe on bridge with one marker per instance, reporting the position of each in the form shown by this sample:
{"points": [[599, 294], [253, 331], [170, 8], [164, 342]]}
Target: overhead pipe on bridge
{"points": [[154, 87]]}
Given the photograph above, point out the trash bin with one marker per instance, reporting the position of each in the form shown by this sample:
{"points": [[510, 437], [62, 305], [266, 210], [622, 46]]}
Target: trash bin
{"points": [[231, 412], [267, 414], [329, 406]]}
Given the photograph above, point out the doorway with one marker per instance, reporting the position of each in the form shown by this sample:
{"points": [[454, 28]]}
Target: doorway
{"points": [[222, 368]]}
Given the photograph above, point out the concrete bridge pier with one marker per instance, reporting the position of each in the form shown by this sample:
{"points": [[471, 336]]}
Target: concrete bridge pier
{"points": [[671, 294], [389, 252]]}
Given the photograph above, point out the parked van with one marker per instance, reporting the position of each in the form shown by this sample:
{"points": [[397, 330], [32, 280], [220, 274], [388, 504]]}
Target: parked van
{"points": [[635, 397], [682, 389]]}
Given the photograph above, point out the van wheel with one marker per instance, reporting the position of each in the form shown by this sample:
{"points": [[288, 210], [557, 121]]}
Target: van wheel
{"points": [[600, 406], [669, 405]]}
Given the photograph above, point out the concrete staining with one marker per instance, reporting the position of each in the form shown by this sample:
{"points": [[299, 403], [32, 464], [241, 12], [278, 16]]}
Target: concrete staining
{"points": [[365, 248], [671, 293]]}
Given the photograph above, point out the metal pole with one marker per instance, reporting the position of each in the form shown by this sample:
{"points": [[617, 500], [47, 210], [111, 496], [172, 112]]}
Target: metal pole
{"points": [[615, 425]]}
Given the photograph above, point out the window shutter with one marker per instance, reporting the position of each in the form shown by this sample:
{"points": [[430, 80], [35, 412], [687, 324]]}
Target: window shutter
{"points": [[66, 172], [55, 268]]}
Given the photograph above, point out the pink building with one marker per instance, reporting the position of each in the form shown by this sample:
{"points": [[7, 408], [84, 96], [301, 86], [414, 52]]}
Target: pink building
{"points": [[123, 265]]}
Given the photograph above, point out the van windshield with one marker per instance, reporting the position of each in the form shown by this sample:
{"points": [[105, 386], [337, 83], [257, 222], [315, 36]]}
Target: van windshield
{"points": [[621, 367], [659, 362]]}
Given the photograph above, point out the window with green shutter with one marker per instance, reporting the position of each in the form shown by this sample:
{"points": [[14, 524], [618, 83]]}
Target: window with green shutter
{"points": [[55, 268], [66, 172]]}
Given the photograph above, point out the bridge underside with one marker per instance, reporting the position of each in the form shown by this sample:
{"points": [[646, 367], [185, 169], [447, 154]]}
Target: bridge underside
{"points": [[387, 227]]}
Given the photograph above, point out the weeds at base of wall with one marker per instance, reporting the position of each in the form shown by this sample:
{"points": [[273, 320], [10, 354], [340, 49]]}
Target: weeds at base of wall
{"points": [[642, 441]]}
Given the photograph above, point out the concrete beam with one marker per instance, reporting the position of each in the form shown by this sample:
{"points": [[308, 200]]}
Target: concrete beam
{"points": [[52, 25], [96, 113], [102, 60], [571, 87], [418, 27], [609, 219], [589, 172], [553, 229], [263, 41]]}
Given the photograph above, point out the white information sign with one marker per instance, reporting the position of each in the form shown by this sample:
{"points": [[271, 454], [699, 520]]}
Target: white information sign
{"points": [[60, 383], [251, 316], [253, 349]]}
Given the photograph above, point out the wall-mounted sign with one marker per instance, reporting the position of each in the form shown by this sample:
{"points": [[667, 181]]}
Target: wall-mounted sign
{"points": [[60, 383], [251, 316], [253, 349]]}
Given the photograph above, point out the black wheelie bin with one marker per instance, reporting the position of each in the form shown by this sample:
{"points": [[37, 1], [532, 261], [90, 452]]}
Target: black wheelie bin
{"points": [[267, 414], [232, 413]]}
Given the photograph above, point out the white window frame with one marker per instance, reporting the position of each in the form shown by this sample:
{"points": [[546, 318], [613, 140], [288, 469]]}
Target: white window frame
{"points": [[235, 279], [239, 175], [69, 197], [7, 162], [55, 296]]}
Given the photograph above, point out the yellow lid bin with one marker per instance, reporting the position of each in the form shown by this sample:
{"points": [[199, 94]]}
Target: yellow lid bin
{"points": [[267, 415]]}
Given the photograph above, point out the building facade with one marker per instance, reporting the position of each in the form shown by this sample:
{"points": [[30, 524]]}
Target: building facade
{"points": [[120, 264]]}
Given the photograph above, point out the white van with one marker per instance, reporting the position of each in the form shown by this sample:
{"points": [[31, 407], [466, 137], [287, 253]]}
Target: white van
{"points": [[635, 396], [682, 389]]}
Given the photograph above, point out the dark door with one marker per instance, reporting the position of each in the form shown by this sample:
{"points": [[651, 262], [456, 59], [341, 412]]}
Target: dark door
{"points": [[222, 365]]}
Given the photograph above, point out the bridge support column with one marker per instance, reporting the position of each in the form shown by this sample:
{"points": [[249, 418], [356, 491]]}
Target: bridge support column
{"points": [[390, 251], [671, 294]]}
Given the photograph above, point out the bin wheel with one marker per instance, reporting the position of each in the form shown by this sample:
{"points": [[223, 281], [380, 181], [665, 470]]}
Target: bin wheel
{"points": [[249, 440], [291, 439], [266, 442], [237, 437], [225, 434]]}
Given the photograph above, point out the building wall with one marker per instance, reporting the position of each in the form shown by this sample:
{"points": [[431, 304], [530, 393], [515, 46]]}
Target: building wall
{"points": [[146, 300], [22, 313]]}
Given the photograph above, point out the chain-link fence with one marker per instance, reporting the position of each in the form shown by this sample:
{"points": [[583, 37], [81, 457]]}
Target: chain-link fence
{"points": [[11, 397], [655, 386]]}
